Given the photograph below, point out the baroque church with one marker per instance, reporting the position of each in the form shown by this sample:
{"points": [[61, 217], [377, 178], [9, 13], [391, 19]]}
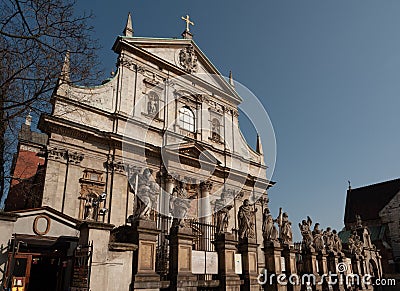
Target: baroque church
{"points": [[145, 182]]}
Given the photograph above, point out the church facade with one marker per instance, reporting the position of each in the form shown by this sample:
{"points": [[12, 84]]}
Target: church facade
{"points": [[148, 184]]}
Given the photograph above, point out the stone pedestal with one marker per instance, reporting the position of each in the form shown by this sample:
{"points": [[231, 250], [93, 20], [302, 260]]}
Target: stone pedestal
{"points": [[323, 271], [310, 264], [273, 265], [144, 259], [99, 233], [290, 265], [248, 248], [180, 259], [356, 262], [333, 260], [225, 245]]}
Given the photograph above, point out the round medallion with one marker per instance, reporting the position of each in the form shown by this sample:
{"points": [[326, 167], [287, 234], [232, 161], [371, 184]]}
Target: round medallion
{"points": [[41, 225]]}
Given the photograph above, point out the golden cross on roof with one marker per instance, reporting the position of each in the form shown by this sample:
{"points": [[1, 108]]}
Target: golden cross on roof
{"points": [[188, 22]]}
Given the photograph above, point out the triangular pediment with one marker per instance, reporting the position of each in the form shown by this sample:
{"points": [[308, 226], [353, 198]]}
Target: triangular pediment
{"points": [[193, 150], [45, 221], [185, 55]]}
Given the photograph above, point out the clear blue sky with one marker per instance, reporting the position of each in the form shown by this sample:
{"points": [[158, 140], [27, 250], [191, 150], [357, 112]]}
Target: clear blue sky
{"points": [[326, 71]]}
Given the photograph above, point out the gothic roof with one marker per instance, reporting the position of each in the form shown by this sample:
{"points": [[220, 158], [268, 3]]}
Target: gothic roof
{"points": [[369, 200]]}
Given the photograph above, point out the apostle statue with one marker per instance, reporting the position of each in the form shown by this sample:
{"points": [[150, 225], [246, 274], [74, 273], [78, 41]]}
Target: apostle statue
{"points": [[337, 242], [222, 209], [179, 204], [147, 192], [270, 232], [305, 229], [246, 216], [285, 228], [351, 244], [328, 238], [318, 238], [89, 209]]}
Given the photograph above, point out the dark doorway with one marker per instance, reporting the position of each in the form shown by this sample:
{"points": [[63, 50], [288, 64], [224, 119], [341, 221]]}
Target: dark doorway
{"points": [[44, 273]]}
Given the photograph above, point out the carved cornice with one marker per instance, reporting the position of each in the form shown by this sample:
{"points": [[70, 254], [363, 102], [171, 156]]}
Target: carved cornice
{"points": [[56, 154], [75, 158], [126, 63], [118, 167], [206, 186]]}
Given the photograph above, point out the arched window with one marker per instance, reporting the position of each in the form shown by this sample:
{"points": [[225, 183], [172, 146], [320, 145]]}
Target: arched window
{"points": [[186, 119], [215, 130]]}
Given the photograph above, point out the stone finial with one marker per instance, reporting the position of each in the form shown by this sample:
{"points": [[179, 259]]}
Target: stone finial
{"points": [[65, 71], [28, 119], [231, 79], [259, 148], [128, 30]]}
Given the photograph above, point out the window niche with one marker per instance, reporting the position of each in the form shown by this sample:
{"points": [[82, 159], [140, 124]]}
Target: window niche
{"points": [[186, 119]]}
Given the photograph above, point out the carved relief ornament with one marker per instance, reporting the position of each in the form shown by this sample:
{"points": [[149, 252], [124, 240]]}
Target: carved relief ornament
{"points": [[188, 59]]}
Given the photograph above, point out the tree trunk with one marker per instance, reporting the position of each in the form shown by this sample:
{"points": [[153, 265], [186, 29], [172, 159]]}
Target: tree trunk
{"points": [[3, 128]]}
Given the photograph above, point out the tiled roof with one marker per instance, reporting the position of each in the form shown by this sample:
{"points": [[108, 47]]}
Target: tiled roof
{"points": [[369, 200]]}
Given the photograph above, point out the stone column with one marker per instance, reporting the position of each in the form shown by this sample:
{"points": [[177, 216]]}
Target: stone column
{"points": [[248, 248], [180, 260], [225, 245], [205, 212], [144, 260], [291, 268], [273, 265], [169, 187]]}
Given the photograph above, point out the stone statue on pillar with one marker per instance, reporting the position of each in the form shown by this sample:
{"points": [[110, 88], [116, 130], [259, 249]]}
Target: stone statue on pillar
{"points": [[179, 205], [222, 209], [270, 232], [246, 216], [337, 242], [318, 238], [285, 228], [305, 229], [355, 245], [328, 238], [147, 192]]}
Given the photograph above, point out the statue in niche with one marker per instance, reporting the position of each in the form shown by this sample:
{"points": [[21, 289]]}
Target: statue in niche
{"points": [[179, 204], [337, 242], [222, 209], [318, 238], [147, 193], [328, 238], [305, 229], [246, 216], [215, 130], [285, 228], [152, 104], [89, 209], [270, 232]]}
